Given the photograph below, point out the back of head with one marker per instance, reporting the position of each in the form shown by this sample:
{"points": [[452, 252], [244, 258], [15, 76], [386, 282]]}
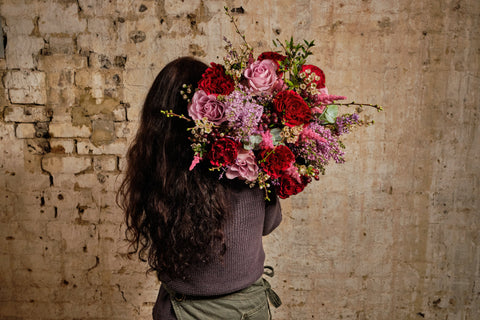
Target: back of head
{"points": [[170, 133], [174, 216]]}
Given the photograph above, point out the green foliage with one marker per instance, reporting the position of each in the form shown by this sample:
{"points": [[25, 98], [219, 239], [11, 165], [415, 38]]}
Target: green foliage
{"points": [[296, 57], [330, 114]]}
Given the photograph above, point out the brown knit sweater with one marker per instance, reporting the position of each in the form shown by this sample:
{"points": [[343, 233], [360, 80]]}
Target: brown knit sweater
{"points": [[249, 219]]}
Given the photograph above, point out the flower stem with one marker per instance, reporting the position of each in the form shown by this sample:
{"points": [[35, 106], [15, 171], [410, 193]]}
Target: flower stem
{"points": [[170, 113], [232, 20], [361, 105]]}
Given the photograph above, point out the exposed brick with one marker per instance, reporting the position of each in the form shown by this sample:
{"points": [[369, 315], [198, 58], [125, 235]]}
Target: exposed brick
{"points": [[25, 130], [26, 87], [65, 130], [105, 163], [390, 234], [117, 147], [26, 114], [122, 164], [125, 129], [176, 8], [83, 78], [67, 164], [103, 132], [64, 78], [62, 146], [21, 51], [86, 181], [22, 26], [120, 113], [59, 62], [62, 17], [61, 45]]}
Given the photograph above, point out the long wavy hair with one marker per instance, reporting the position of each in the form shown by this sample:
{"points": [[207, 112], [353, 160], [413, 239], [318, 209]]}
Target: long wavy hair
{"points": [[174, 216]]}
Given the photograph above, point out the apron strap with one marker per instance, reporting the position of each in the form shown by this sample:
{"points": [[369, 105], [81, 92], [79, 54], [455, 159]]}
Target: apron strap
{"points": [[271, 294]]}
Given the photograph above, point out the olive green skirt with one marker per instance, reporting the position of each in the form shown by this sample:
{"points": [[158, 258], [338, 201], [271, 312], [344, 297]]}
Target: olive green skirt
{"points": [[250, 303]]}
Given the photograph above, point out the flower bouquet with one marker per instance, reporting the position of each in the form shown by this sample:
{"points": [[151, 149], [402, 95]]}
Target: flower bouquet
{"points": [[269, 120]]}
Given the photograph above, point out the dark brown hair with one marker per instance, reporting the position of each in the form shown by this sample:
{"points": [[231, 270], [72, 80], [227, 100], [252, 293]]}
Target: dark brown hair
{"points": [[174, 216]]}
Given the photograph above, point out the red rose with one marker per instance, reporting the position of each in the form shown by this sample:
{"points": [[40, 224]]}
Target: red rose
{"points": [[224, 151], [317, 71], [275, 161], [288, 186], [215, 81], [271, 56], [292, 108]]}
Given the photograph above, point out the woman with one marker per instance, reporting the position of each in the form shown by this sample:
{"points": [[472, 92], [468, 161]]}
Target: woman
{"points": [[201, 235]]}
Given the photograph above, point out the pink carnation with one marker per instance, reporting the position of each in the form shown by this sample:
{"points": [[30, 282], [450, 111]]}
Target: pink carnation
{"points": [[245, 167], [293, 172]]}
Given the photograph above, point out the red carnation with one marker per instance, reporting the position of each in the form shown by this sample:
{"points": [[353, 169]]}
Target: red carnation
{"points": [[317, 71], [288, 186], [224, 151], [271, 56], [292, 108], [275, 161], [216, 81]]}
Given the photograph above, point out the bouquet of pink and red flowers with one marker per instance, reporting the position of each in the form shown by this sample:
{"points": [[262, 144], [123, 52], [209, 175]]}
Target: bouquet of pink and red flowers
{"points": [[269, 121]]}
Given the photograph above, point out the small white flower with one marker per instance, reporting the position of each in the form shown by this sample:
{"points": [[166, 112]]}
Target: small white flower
{"points": [[302, 170]]}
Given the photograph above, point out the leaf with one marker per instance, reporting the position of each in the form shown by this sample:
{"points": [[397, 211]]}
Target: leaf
{"points": [[330, 114], [276, 137], [254, 141]]}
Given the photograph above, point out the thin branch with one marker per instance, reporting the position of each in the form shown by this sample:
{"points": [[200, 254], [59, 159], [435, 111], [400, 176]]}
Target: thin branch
{"points": [[361, 105], [170, 114], [232, 20]]}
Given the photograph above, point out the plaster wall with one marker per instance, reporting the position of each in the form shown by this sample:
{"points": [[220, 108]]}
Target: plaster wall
{"points": [[391, 234]]}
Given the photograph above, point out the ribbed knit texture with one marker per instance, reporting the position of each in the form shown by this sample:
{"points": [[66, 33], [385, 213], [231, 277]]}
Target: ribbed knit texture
{"points": [[249, 219]]}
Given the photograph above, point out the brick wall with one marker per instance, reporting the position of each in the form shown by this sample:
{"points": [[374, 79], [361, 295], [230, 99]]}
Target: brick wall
{"points": [[391, 234]]}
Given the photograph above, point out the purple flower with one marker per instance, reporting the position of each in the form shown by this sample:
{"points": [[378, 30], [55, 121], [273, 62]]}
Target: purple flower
{"points": [[242, 113], [345, 122], [206, 106], [262, 76], [321, 149], [245, 167]]}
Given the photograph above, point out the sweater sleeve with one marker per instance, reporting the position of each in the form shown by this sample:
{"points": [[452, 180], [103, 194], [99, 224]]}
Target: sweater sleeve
{"points": [[273, 216]]}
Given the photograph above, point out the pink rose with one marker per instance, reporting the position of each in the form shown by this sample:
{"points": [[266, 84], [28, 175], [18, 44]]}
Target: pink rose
{"points": [[206, 105], [245, 167], [279, 85], [262, 75]]}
